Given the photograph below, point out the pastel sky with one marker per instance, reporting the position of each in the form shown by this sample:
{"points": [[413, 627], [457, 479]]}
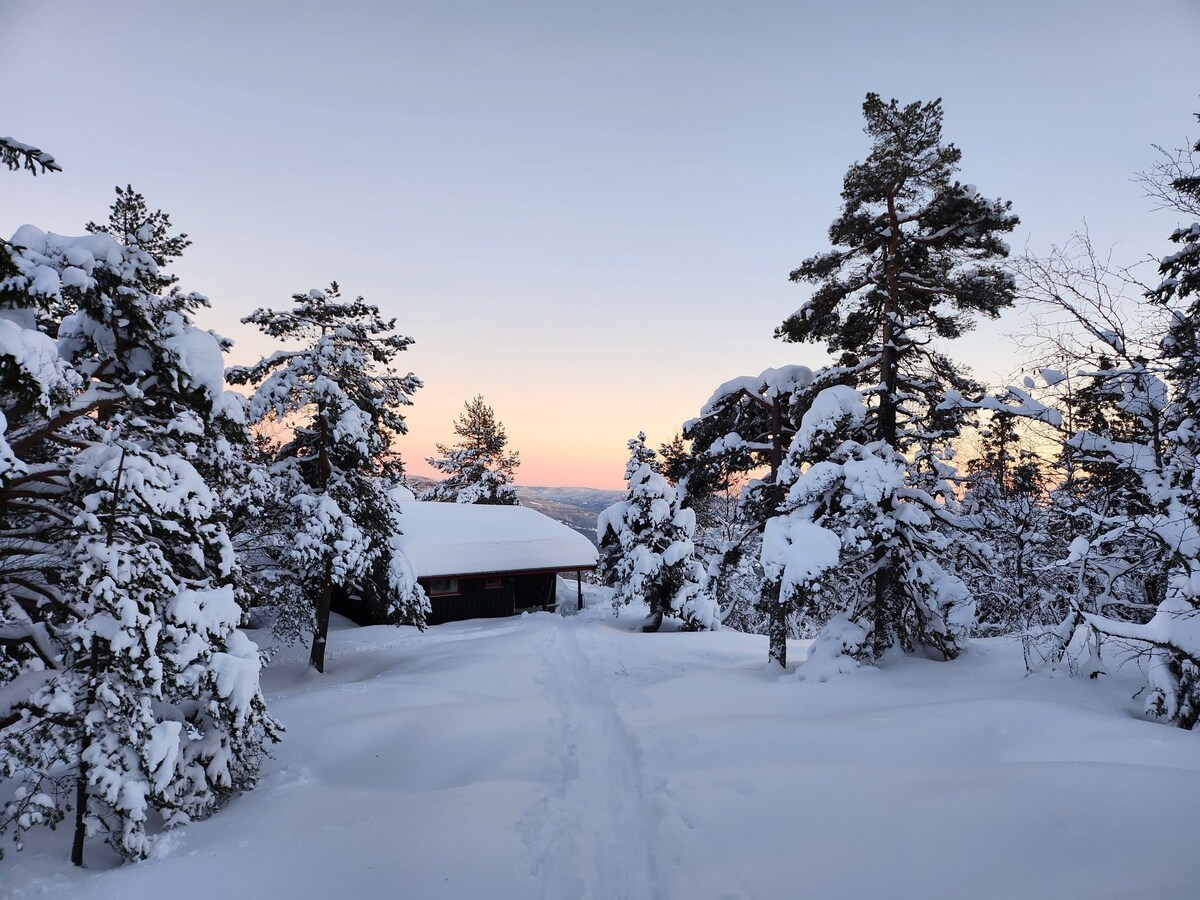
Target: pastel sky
{"points": [[585, 212]]}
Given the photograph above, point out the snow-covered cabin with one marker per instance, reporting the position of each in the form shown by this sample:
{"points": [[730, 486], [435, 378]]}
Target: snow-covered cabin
{"points": [[477, 561]]}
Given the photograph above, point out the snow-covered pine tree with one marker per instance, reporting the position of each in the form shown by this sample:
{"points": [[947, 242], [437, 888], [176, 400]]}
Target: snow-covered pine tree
{"points": [[1006, 503], [727, 536], [153, 702], [477, 467], [33, 380], [117, 567], [36, 386], [647, 553], [342, 398], [260, 528], [611, 521], [744, 427], [133, 224], [1170, 474], [833, 488], [1176, 674], [913, 263], [1097, 553], [32, 376], [1113, 466]]}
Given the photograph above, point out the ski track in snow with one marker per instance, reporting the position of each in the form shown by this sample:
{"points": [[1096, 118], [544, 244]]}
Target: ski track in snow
{"points": [[593, 835]]}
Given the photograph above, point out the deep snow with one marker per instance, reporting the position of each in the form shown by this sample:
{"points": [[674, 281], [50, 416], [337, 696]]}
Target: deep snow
{"points": [[563, 757]]}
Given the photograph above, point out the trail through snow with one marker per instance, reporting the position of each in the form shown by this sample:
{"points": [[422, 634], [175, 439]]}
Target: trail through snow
{"points": [[592, 836]]}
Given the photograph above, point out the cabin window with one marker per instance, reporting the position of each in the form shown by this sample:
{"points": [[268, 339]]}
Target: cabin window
{"points": [[442, 587], [494, 584]]}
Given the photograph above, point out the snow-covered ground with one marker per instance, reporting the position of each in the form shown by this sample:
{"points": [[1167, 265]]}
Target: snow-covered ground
{"points": [[574, 757]]}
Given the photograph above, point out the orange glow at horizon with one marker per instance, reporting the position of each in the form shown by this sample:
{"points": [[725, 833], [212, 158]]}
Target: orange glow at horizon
{"points": [[559, 447]]}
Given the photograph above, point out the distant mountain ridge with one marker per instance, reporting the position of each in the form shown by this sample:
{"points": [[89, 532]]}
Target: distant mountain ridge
{"points": [[575, 507]]}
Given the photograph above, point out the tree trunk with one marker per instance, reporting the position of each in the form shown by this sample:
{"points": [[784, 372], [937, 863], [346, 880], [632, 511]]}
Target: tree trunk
{"points": [[654, 622], [777, 626], [889, 378], [889, 362], [881, 638], [316, 657], [81, 783]]}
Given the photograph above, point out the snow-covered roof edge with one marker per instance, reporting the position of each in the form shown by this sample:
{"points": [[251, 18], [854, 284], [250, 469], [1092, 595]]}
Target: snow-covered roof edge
{"points": [[444, 540]]}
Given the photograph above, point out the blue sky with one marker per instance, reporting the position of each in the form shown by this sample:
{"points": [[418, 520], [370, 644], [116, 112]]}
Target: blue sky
{"points": [[586, 212]]}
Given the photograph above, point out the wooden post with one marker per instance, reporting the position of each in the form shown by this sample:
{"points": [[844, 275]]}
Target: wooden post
{"points": [[579, 585]]}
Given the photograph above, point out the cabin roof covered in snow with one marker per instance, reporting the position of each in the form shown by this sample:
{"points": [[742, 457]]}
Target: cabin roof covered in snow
{"points": [[444, 539]]}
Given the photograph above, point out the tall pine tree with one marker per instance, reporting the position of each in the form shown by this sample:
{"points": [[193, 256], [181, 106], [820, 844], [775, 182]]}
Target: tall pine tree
{"points": [[341, 397], [913, 262], [141, 695]]}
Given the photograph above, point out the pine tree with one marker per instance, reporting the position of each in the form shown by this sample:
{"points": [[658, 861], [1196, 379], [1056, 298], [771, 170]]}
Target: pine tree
{"points": [[478, 470], [744, 427], [1170, 475], [727, 536], [610, 524], [31, 374], [1005, 561], [133, 224], [1175, 675], [1133, 488], [154, 701], [201, 420], [1104, 387], [833, 486], [117, 570], [913, 263], [647, 553], [342, 397]]}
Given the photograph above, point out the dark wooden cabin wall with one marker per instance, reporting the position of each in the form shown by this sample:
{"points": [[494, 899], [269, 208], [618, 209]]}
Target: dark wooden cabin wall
{"points": [[475, 601]]}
